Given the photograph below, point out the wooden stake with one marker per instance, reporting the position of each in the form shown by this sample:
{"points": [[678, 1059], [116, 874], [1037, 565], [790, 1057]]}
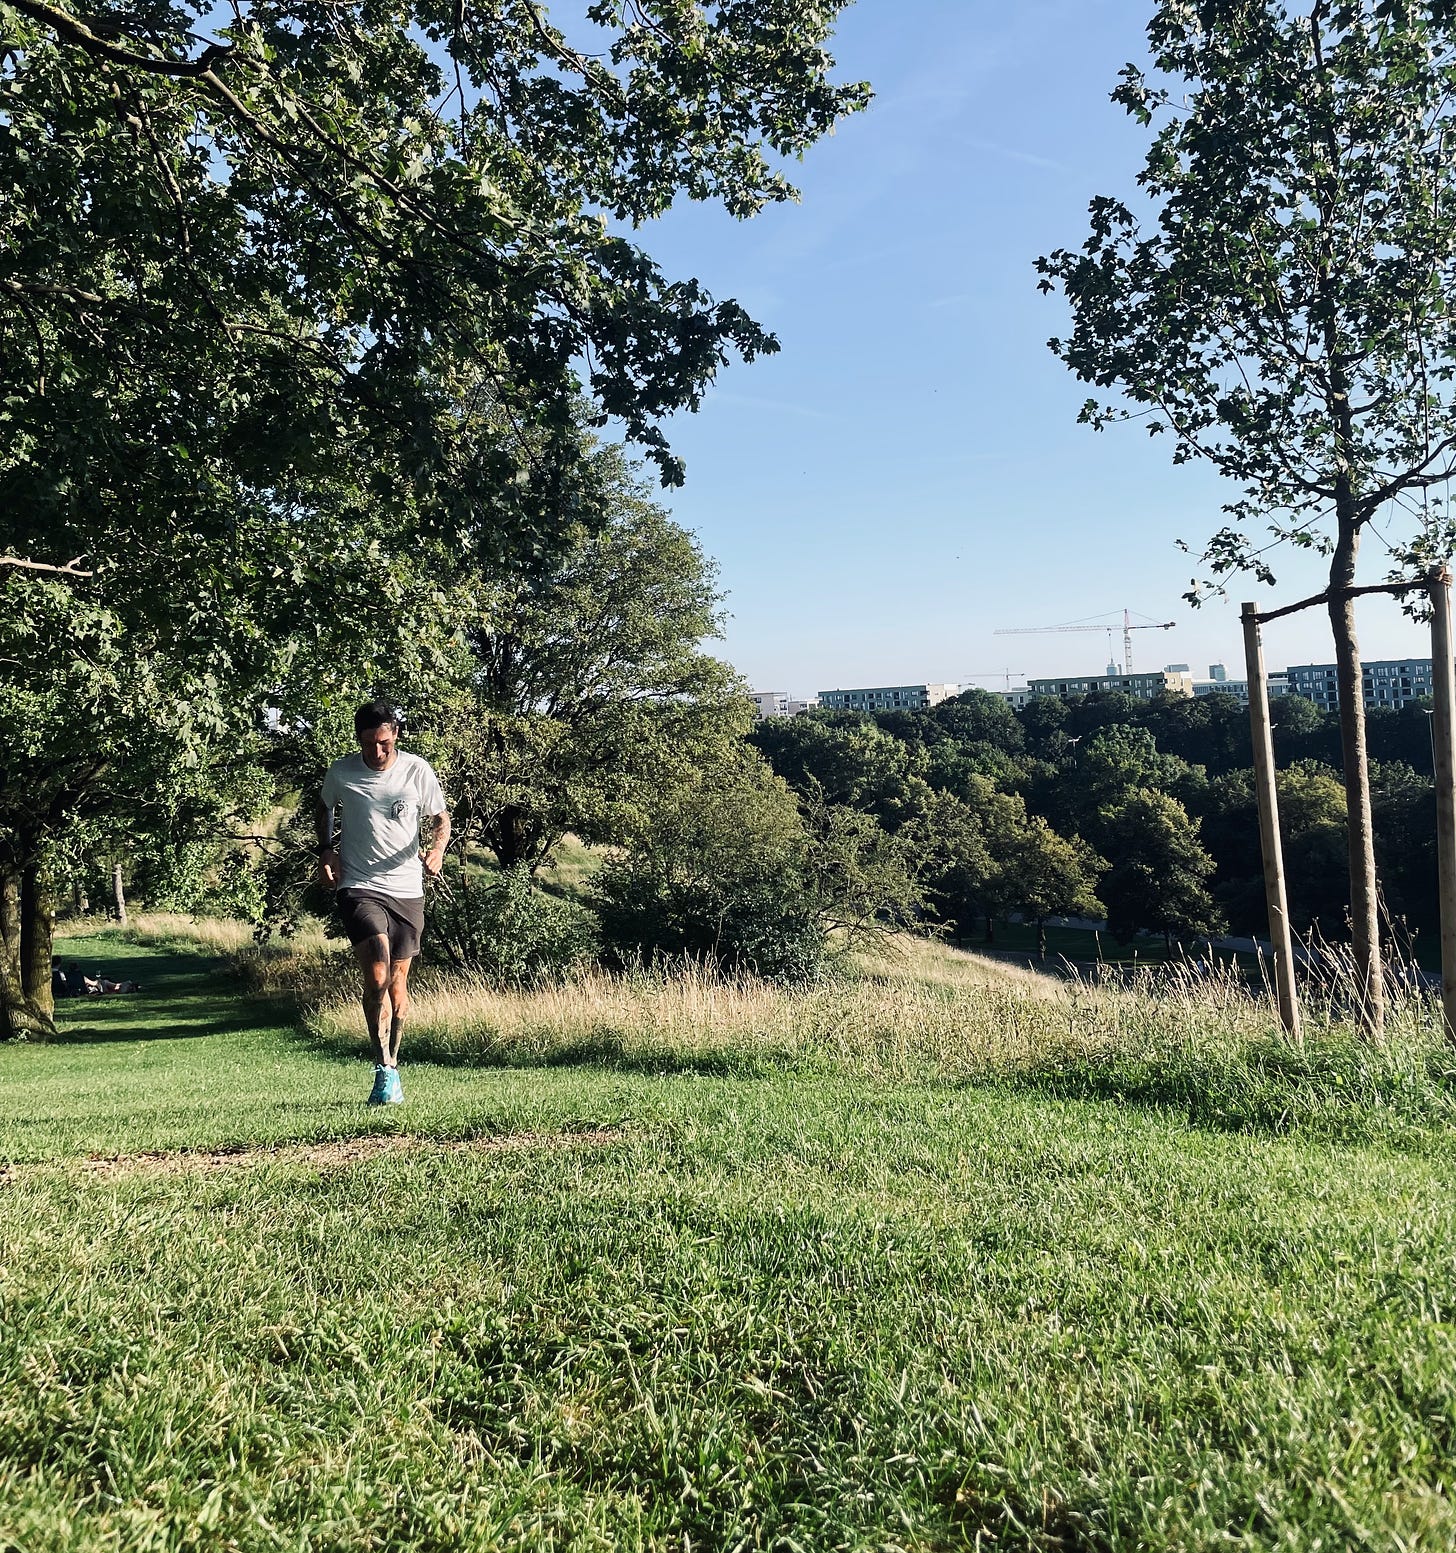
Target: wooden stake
{"points": [[1443, 738], [1269, 843]]}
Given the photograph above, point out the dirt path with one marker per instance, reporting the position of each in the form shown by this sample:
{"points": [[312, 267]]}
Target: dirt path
{"points": [[332, 1154]]}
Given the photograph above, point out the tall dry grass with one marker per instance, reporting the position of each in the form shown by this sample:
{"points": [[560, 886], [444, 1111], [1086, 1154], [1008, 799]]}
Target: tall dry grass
{"points": [[218, 935], [224, 936], [920, 1009], [1197, 1039], [888, 1024]]}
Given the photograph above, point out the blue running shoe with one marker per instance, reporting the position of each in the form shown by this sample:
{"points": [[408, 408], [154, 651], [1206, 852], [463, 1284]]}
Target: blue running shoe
{"points": [[393, 1089], [379, 1095]]}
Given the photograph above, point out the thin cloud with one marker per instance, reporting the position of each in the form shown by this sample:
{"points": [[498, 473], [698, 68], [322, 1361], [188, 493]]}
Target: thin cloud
{"points": [[905, 126], [869, 256], [1012, 154], [776, 406]]}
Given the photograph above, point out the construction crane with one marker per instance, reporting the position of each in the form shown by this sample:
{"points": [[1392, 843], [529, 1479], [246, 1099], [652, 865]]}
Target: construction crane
{"points": [[1128, 627]]}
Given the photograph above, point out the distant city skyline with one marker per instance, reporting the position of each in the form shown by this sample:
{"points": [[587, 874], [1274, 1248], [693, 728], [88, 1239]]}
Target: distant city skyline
{"points": [[1389, 682], [908, 475], [1201, 673]]}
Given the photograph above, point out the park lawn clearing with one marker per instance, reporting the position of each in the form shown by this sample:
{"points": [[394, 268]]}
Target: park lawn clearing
{"points": [[581, 1306]]}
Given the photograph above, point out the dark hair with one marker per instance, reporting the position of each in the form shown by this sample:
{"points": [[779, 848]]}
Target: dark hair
{"points": [[374, 714]]}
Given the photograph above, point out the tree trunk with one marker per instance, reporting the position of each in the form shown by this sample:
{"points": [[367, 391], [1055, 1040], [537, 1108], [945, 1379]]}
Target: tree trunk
{"points": [[1349, 516], [1360, 831], [37, 938], [10, 925], [27, 939], [20, 1021], [990, 928], [118, 889], [514, 839], [1040, 938]]}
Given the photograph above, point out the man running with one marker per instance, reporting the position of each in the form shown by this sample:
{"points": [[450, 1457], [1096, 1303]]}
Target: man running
{"points": [[377, 872]]}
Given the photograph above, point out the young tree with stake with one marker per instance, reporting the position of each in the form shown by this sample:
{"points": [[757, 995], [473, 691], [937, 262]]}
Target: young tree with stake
{"points": [[1287, 312]]}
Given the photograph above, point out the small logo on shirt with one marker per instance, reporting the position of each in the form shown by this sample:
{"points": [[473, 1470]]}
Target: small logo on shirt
{"points": [[403, 809]]}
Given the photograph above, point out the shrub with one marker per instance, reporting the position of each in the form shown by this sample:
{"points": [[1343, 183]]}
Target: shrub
{"points": [[509, 931], [764, 924], [732, 869]]}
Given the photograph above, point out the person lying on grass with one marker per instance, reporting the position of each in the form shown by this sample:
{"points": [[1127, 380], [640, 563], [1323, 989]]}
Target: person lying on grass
{"points": [[70, 981], [376, 871]]}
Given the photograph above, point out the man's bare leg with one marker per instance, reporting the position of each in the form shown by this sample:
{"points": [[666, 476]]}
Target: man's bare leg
{"points": [[373, 957], [399, 1007]]}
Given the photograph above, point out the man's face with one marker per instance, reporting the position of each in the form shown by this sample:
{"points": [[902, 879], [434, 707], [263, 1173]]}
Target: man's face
{"points": [[377, 746]]}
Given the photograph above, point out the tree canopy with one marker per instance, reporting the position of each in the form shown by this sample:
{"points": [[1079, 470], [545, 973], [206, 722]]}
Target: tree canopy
{"points": [[1159, 873], [1284, 312], [300, 305], [581, 691], [342, 206]]}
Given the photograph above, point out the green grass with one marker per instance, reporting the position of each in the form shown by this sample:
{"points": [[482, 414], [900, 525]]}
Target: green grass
{"points": [[189, 1064], [808, 1310], [573, 866]]}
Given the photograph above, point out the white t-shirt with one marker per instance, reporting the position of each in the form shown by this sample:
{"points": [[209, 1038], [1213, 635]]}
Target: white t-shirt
{"points": [[380, 814]]}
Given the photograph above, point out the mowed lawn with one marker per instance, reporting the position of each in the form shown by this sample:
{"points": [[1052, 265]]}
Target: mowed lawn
{"points": [[581, 1307]]}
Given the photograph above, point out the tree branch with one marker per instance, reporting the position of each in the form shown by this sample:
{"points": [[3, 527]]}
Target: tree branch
{"points": [[1397, 588], [37, 288], [73, 30], [69, 569], [556, 46], [1417, 477]]}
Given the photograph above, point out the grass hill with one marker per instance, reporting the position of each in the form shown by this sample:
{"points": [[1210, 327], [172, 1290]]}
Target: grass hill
{"points": [[942, 1255]]}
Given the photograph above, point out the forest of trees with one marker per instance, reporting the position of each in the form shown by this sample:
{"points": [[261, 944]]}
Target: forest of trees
{"points": [[1156, 797], [572, 696]]}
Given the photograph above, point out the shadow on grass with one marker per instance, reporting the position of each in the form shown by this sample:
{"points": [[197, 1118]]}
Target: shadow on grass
{"points": [[1341, 1091], [1015, 1521], [166, 1026], [184, 996]]}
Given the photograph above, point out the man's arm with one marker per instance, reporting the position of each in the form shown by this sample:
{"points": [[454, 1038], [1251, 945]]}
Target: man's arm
{"points": [[328, 853], [434, 859]]}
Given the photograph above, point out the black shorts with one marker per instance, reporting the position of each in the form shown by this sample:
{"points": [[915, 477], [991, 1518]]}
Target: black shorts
{"points": [[367, 914]]}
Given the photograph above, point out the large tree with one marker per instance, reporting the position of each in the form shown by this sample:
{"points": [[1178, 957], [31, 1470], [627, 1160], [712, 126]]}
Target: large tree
{"points": [[1284, 311], [373, 193], [582, 692], [850, 761], [297, 301], [142, 717], [1047, 875], [1158, 874]]}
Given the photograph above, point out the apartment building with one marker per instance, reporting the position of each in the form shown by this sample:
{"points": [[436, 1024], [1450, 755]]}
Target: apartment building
{"points": [[779, 703], [1388, 682], [886, 698], [1175, 681], [1218, 683]]}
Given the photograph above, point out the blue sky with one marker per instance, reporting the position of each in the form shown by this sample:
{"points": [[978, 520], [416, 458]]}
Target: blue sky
{"points": [[907, 475]]}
